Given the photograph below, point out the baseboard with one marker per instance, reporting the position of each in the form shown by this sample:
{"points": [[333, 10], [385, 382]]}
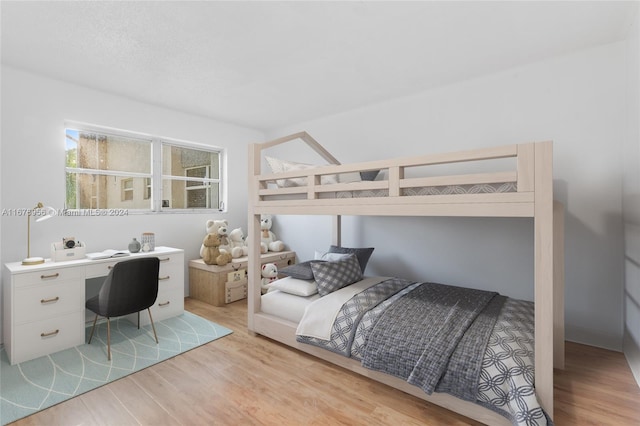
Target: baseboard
{"points": [[632, 353]]}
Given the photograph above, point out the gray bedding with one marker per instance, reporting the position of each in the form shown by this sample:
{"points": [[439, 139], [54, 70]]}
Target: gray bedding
{"points": [[473, 344]]}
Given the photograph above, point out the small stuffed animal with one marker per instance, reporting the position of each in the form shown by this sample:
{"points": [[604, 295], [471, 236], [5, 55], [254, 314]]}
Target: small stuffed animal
{"points": [[218, 227], [237, 245], [212, 254], [268, 241], [269, 275]]}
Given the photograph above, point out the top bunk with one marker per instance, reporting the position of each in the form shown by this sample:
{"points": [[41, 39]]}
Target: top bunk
{"points": [[409, 186]]}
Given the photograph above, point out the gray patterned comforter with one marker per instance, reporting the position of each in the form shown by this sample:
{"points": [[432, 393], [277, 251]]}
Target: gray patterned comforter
{"points": [[473, 344]]}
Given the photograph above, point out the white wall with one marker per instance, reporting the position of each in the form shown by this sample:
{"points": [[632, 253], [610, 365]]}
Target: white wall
{"points": [[34, 110], [631, 200], [575, 100]]}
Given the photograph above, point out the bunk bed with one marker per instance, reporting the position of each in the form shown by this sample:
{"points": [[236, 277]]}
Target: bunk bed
{"points": [[524, 191]]}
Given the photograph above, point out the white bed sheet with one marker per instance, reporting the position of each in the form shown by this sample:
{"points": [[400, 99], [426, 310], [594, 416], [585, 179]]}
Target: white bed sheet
{"points": [[286, 306]]}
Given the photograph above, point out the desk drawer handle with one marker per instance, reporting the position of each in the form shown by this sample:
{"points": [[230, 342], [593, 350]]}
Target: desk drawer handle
{"points": [[165, 259], [164, 304], [54, 299], [44, 277], [52, 333], [164, 278]]}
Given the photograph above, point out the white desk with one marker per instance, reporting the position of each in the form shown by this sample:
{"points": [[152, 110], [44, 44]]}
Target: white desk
{"points": [[44, 304]]}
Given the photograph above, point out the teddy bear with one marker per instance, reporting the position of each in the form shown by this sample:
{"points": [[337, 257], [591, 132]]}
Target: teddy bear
{"points": [[218, 227], [211, 254], [268, 241], [237, 245], [269, 275]]}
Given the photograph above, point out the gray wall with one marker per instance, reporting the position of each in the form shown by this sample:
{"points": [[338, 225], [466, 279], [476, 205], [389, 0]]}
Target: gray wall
{"points": [[576, 100], [631, 202]]}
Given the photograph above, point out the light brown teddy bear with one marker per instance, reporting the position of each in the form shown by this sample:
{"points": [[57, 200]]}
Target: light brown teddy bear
{"points": [[211, 253]]}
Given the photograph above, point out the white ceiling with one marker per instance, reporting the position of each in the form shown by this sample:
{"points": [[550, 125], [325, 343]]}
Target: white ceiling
{"points": [[269, 64]]}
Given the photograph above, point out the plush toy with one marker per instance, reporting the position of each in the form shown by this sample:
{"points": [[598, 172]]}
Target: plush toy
{"points": [[237, 245], [211, 254], [268, 241], [269, 275], [218, 227]]}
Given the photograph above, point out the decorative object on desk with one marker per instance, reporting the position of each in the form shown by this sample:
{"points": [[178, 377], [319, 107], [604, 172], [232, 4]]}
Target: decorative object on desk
{"points": [[61, 250], [269, 275], [34, 385], [268, 241], [148, 241], [134, 246], [43, 213], [106, 254]]}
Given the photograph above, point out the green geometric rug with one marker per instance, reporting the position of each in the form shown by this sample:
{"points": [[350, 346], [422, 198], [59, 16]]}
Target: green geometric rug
{"points": [[34, 385]]}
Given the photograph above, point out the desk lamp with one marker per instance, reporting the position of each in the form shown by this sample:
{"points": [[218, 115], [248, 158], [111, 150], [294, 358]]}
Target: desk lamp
{"points": [[49, 212]]}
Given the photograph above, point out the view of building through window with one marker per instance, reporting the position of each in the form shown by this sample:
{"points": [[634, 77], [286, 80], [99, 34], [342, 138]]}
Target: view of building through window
{"points": [[106, 171]]}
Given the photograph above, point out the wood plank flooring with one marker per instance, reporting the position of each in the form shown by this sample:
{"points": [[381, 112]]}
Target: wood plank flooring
{"points": [[246, 380]]}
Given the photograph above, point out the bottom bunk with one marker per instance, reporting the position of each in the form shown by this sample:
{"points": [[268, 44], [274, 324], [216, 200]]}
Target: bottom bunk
{"points": [[471, 351]]}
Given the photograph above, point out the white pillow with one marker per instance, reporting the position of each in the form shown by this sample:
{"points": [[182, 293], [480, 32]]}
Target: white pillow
{"points": [[329, 257], [295, 286], [278, 165]]}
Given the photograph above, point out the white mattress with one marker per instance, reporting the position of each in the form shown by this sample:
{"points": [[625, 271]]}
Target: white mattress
{"points": [[284, 305]]}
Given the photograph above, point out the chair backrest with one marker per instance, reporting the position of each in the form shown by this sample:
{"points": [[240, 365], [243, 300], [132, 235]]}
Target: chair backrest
{"points": [[131, 286]]}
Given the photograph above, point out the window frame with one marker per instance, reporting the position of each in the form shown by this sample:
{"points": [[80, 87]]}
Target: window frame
{"points": [[156, 176]]}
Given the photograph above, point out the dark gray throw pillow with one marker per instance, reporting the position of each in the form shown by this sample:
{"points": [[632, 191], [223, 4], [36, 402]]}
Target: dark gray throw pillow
{"points": [[301, 271], [332, 276], [363, 254]]}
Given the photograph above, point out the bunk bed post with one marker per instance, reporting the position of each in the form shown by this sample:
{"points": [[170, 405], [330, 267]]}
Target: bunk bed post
{"points": [[336, 231], [558, 285], [253, 236], [544, 274]]}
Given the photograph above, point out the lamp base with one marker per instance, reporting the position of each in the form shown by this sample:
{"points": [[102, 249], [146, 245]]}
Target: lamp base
{"points": [[33, 261]]}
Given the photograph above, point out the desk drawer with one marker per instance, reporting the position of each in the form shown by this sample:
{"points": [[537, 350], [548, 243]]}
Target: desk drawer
{"points": [[168, 304], [35, 339], [99, 269], [171, 277], [47, 276], [35, 303]]}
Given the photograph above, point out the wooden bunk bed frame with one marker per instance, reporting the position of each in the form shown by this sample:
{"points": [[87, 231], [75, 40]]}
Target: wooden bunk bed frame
{"points": [[533, 198]]}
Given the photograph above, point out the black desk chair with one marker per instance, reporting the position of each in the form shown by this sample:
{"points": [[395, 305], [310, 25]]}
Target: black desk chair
{"points": [[131, 286]]}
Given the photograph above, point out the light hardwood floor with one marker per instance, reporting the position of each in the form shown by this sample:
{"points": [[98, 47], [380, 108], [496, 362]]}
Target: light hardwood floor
{"points": [[246, 380]]}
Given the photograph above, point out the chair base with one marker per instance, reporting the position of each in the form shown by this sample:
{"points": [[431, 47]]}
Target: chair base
{"points": [[95, 320]]}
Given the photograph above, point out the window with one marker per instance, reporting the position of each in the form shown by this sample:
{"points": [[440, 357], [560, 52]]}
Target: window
{"points": [[191, 177], [127, 189], [114, 169]]}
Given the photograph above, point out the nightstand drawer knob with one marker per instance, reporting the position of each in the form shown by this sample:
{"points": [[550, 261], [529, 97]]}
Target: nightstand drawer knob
{"points": [[53, 299]]}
